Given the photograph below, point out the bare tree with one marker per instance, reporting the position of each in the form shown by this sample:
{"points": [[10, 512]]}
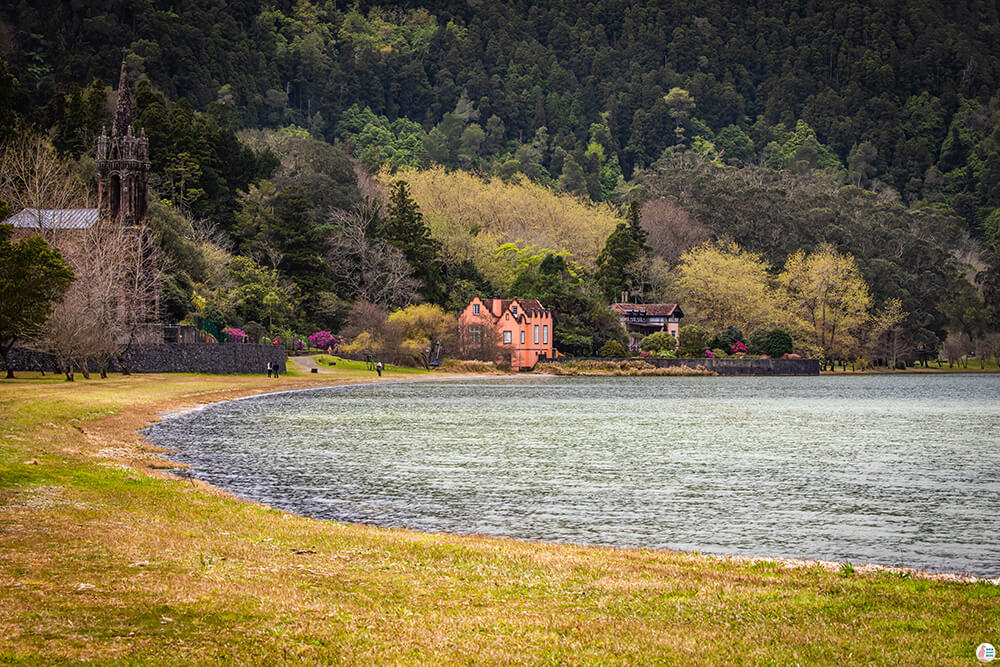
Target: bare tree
{"points": [[671, 230], [115, 292], [955, 348], [33, 177], [368, 268], [988, 347]]}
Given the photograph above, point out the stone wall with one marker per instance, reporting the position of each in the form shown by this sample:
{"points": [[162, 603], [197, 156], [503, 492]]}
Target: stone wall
{"points": [[221, 359], [732, 366]]}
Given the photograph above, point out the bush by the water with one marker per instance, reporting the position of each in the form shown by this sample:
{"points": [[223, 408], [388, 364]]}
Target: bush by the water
{"points": [[612, 348], [629, 368], [693, 341], [661, 341]]}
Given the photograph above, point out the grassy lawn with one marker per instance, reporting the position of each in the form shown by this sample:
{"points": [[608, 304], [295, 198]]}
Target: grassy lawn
{"points": [[105, 558]]}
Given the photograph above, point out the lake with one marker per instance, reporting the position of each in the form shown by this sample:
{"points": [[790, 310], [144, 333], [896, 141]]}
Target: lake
{"points": [[893, 469]]}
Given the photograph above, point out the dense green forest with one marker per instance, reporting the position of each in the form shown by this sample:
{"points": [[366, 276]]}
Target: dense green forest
{"points": [[873, 127]]}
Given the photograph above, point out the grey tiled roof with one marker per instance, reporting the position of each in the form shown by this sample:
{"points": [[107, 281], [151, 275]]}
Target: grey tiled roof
{"points": [[61, 218]]}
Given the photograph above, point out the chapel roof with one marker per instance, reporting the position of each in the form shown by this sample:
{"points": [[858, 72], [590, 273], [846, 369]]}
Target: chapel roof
{"points": [[47, 218]]}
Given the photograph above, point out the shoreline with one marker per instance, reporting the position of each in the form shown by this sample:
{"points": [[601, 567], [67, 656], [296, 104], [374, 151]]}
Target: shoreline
{"points": [[787, 562], [104, 557]]}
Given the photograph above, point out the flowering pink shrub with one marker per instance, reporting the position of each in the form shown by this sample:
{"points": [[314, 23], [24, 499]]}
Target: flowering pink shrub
{"points": [[738, 347], [237, 335], [709, 353], [323, 340]]}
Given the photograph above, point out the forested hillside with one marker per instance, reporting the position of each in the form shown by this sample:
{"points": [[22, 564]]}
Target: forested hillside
{"points": [[873, 127]]}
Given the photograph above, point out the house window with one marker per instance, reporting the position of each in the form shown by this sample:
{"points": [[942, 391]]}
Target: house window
{"points": [[476, 334], [522, 336], [475, 309], [513, 309], [506, 337], [545, 334], [536, 334]]}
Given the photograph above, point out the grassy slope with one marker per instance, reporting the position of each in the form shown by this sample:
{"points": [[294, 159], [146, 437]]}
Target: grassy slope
{"points": [[104, 559]]}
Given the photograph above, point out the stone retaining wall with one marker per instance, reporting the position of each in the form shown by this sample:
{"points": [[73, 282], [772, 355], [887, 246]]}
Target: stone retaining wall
{"points": [[728, 366], [222, 359]]}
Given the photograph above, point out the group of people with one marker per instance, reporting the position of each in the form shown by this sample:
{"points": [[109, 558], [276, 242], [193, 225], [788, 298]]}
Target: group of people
{"points": [[272, 370]]}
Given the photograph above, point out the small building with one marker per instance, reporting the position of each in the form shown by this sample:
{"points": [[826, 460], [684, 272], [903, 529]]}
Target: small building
{"points": [[641, 319], [501, 330]]}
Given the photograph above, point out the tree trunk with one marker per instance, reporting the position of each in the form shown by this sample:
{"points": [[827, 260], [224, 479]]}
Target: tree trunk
{"points": [[6, 361]]}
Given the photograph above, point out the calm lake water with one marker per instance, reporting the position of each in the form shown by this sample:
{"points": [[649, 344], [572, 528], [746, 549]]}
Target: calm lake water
{"points": [[897, 470]]}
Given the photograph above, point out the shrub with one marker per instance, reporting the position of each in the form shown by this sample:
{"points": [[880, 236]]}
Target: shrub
{"points": [[757, 341], [693, 341], [612, 348], [323, 340], [779, 343], [719, 353], [727, 338], [658, 342]]}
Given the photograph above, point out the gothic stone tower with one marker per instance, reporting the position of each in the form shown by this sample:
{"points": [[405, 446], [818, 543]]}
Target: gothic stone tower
{"points": [[122, 166]]}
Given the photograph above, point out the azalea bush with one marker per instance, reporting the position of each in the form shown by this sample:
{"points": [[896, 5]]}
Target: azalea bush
{"points": [[238, 335], [738, 348], [323, 340]]}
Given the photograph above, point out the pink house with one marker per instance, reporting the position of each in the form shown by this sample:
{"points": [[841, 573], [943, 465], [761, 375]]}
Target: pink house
{"points": [[501, 330]]}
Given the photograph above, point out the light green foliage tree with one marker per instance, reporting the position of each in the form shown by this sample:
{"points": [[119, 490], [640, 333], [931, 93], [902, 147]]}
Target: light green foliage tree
{"points": [[799, 150], [33, 277], [658, 342], [259, 294], [722, 284], [426, 331], [826, 290]]}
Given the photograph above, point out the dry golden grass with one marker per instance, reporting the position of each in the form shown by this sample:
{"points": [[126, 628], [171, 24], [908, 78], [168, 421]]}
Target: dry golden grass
{"points": [[104, 559]]}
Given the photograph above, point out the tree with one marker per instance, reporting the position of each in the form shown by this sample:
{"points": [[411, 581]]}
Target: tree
{"points": [[722, 284], [364, 266], [681, 104], [427, 331], [404, 228], [671, 230], [259, 293], [33, 278], [32, 176], [826, 290], [692, 341], [657, 342], [115, 291], [625, 246]]}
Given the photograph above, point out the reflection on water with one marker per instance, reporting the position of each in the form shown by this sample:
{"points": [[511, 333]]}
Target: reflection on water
{"points": [[898, 470]]}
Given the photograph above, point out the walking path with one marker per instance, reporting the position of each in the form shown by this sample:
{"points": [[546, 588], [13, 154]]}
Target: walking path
{"points": [[308, 362]]}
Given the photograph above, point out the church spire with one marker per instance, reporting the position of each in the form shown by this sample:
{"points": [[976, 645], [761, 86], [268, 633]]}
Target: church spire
{"points": [[122, 165], [123, 111]]}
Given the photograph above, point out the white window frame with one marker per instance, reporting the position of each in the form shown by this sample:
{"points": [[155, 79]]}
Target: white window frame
{"points": [[522, 336], [536, 335], [545, 334], [475, 309], [507, 337]]}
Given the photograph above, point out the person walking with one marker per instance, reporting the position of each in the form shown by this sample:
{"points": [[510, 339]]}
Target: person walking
{"points": [[269, 369], [378, 368]]}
